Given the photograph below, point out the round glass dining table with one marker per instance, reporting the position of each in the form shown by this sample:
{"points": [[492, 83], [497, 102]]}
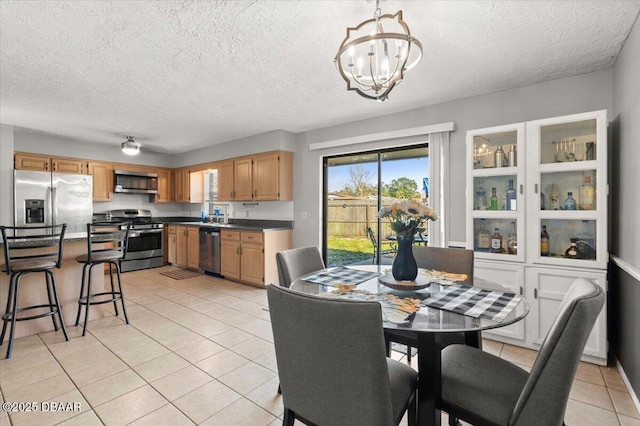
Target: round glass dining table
{"points": [[428, 323]]}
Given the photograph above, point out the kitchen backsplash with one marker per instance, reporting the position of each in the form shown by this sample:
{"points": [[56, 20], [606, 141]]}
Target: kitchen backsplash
{"points": [[264, 210]]}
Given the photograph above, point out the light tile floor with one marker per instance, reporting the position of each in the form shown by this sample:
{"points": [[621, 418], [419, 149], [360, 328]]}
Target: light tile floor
{"points": [[201, 351]]}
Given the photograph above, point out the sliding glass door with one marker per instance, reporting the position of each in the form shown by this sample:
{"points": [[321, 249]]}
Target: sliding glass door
{"points": [[356, 186]]}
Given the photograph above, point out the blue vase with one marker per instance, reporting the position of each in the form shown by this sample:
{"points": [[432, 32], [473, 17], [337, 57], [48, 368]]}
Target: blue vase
{"points": [[404, 265]]}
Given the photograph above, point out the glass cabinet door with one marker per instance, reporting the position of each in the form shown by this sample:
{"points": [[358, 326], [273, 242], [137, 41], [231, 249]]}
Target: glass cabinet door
{"points": [[568, 176], [495, 197]]}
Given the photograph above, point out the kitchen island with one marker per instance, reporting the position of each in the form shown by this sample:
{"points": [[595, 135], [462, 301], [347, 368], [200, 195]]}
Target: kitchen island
{"points": [[33, 290]]}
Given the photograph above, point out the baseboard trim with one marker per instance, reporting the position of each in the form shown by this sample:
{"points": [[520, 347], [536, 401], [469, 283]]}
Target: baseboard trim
{"points": [[633, 395], [625, 266]]}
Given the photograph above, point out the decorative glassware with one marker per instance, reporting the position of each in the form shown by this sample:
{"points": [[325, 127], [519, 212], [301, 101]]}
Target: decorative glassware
{"points": [[554, 196]]}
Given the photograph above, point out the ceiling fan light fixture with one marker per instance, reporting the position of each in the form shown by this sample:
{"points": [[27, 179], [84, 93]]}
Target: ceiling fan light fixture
{"points": [[372, 59], [131, 147]]}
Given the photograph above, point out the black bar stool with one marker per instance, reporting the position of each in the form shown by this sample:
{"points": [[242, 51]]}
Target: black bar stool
{"points": [[104, 245], [47, 242]]}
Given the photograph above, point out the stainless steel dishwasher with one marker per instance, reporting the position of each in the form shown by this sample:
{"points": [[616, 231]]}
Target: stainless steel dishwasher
{"points": [[210, 250]]}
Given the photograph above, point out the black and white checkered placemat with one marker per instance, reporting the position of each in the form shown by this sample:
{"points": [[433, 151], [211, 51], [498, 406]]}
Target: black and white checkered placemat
{"points": [[474, 302], [341, 275]]}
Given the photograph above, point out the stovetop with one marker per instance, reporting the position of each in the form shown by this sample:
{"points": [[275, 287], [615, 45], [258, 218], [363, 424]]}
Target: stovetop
{"points": [[139, 219]]}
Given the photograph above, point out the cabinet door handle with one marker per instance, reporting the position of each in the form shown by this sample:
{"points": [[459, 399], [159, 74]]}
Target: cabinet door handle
{"points": [[535, 293], [255, 193], [521, 290], [535, 188], [521, 188]]}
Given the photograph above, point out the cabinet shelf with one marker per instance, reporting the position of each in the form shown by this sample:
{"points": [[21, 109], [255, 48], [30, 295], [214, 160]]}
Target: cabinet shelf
{"points": [[568, 214], [568, 166], [495, 214], [493, 171]]}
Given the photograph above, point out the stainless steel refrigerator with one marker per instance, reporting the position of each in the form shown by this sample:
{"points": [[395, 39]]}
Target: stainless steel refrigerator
{"points": [[46, 198]]}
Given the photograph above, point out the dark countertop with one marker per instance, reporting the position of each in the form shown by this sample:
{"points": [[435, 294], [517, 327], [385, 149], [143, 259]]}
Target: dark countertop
{"points": [[235, 224], [68, 238]]}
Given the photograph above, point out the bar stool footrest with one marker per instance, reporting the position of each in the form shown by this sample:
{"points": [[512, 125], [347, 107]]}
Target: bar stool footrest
{"points": [[114, 296], [53, 309]]}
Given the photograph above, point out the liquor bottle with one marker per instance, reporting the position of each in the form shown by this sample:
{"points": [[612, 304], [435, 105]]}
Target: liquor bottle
{"points": [[484, 238], [511, 196], [587, 194], [512, 156], [573, 252], [544, 241], [499, 157], [496, 242], [569, 203], [481, 200], [494, 199], [512, 240]]}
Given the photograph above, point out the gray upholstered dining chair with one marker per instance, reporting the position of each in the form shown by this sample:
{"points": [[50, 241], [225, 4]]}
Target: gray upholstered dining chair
{"points": [[294, 263], [332, 364], [486, 390], [458, 261]]}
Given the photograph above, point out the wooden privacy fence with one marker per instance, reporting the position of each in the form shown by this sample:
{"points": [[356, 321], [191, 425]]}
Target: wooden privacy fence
{"points": [[349, 218]]}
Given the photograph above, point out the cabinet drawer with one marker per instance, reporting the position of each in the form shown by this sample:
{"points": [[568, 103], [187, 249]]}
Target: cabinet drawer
{"points": [[251, 237], [230, 235]]}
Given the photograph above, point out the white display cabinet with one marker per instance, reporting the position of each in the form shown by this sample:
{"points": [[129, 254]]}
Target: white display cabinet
{"points": [[504, 214], [551, 158]]}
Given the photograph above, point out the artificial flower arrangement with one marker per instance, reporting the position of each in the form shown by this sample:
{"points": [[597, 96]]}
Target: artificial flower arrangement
{"points": [[407, 217]]}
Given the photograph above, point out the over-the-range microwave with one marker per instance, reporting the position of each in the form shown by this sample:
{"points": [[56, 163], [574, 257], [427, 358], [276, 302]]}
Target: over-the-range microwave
{"points": [[135, 182]]}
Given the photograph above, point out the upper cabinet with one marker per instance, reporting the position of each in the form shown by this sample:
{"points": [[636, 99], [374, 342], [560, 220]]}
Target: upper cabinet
{"points": [[102, 181], [567, 177], [165, 186], [188, 186], [50, 164], [538, 189], [261, 177]]}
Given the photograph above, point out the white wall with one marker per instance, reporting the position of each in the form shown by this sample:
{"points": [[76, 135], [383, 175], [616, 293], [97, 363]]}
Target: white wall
{"points": [[271, 141], [6, 174], [581, 93]]}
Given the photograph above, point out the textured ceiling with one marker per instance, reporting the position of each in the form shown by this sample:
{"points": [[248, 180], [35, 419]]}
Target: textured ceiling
{"points": [[181, 75]]}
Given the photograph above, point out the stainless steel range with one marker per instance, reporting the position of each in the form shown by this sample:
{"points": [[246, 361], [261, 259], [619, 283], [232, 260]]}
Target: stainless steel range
{"points": [[144, 246]]}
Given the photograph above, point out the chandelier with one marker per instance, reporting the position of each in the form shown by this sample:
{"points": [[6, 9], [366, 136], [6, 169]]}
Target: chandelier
{"points": [[131, 147], [372, 59]]}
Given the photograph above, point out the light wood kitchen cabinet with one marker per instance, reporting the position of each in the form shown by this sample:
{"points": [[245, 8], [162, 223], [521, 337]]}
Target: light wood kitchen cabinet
{"points": [[102, 181], [230, 254], [188, 186], [165, 186], [181, 185], [243, 179], [193, 247], [172, 244], [261, 177], [184, 241], [249, 256], [273, 176], [45, 164], [225, 181]]}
